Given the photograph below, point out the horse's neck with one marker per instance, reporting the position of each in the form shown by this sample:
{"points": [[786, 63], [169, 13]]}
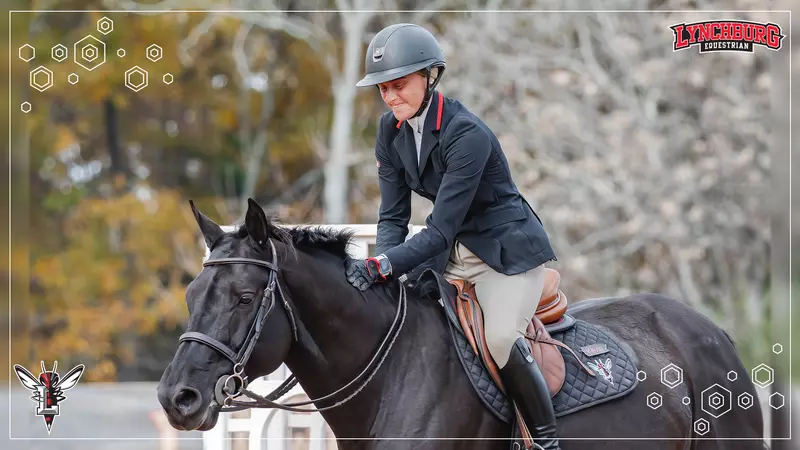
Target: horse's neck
{"points": [[341, 330], [419, 382]]}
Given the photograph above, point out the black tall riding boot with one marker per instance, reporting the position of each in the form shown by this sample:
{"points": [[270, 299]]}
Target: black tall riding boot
{"points": [[526, 386]]}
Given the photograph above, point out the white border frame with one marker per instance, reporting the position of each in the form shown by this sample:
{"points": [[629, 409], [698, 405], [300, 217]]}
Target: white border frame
{"points": [[140, 11]]}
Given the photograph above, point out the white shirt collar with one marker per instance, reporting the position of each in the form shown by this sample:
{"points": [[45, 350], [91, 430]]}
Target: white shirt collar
{"points": [[418, 122]]}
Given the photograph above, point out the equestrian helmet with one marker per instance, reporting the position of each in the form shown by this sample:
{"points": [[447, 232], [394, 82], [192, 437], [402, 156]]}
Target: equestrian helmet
{"points": [[399, 50]]}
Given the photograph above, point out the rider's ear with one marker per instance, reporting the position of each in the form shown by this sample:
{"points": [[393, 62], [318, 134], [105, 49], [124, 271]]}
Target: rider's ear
{"points": [[211, 231], [256, 223]]}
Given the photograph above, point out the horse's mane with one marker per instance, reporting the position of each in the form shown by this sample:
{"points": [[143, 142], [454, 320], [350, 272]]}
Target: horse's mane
{"points": [[320, 238], [308, 238]]}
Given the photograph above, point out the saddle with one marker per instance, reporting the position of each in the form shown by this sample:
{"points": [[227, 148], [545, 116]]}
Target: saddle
{"points": [[562, 346], [552, 306], [545, 350]]}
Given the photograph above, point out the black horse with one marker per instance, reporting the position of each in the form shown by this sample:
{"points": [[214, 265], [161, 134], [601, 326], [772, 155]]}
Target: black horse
{"points": [[326, 332]]}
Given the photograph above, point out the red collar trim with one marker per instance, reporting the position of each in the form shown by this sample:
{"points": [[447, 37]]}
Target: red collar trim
{"points": [[439, 109]]}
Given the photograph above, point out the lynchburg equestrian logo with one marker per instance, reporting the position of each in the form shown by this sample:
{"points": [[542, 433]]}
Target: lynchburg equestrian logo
{"points": [[726, 35], [48, 390]]}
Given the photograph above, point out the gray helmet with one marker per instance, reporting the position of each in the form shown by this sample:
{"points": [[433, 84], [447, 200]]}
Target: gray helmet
{"points": [[399, 50]]}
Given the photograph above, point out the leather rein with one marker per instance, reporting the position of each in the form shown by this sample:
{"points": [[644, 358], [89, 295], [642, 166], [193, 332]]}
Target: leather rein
{"points": [[230, 387]]}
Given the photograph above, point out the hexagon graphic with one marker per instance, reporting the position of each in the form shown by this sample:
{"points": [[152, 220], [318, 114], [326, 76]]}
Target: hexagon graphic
{"points": [[686, 400], [701, 426], [121, 53], [133, 76], [654, 400], [732, 375], [745, 400], [105, 25], [154, 53], [168, 79], [59, 53], [41, 78], [762, 375], [27, 53], [777, 349], [715, 400], [776, 400], [671, 376], [89, 52], [73, 78], [25, 107], [641, 375]]}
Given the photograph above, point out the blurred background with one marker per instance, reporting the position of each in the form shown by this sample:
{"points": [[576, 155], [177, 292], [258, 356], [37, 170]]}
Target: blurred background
{"points": [[652, 170]]}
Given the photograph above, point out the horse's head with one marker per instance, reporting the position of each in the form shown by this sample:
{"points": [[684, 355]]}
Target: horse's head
{"points": [[234, 309]]}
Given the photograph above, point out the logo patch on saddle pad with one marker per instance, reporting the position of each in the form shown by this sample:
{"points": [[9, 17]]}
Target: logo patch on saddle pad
{"points": [[594, 349], [603, 368]]}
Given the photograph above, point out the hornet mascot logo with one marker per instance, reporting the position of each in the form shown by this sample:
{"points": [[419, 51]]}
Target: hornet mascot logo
{"points": [[48, 389]]}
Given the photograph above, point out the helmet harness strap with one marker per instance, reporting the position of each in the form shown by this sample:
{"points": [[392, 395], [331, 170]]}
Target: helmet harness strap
{"points": [[430, 89]]}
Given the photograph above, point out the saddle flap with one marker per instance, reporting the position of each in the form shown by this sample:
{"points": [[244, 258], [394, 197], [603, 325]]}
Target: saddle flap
{"points": [[547, 356]]}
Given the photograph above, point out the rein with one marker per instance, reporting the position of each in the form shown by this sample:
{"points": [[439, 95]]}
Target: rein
{"points": [[229, 387]]}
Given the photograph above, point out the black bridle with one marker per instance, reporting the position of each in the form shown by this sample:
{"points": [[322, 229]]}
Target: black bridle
{"points": [[228, 387]]}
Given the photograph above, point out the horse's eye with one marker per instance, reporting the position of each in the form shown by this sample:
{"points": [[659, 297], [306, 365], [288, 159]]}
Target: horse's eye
{"points": [[247, 298]]}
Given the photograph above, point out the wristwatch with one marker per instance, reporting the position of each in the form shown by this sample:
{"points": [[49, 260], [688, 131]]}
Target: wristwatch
{"points": [[384, 266]]}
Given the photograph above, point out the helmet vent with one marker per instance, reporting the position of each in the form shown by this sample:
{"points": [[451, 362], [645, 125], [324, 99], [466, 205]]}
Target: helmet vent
{"points": [[377, 54]]}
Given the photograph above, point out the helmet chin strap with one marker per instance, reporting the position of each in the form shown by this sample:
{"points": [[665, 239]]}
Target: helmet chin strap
{"points": [[429, 91]]}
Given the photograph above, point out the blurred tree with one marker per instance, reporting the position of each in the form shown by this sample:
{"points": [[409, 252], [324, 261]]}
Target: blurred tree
{"points": [[648, 166]]}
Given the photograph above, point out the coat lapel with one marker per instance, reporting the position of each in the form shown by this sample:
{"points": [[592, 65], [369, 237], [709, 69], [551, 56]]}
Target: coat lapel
{"points": [[430, 134], [407, 149]]}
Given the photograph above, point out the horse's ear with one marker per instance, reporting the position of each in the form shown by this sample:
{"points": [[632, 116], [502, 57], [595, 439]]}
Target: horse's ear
{"points": [[211, 231], [256, 222]]}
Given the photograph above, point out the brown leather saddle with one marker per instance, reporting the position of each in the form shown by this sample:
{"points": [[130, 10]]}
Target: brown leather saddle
{"points": [[552, 306]]}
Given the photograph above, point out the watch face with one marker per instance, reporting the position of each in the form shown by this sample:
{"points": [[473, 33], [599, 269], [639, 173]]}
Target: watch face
{"points": [[385, 266]]}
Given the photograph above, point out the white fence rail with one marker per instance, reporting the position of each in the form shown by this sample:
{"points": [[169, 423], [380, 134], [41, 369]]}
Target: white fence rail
{"points": [[267, 429]]}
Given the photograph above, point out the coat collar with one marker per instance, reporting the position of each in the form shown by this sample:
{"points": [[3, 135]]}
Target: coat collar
{"points": [[430, 137], [437, 103]]}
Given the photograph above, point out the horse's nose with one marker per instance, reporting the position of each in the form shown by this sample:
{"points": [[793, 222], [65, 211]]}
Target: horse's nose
{"points": [[187, 400]]}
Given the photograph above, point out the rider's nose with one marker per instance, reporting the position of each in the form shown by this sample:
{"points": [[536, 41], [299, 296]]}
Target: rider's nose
{"points": [[187, 400]]}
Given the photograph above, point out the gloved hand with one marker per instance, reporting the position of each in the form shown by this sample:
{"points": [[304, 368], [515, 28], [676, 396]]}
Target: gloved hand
{"points": [[362, 273]]}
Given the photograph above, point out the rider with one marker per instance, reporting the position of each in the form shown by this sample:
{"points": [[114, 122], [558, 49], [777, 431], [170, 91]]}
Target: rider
{"points": [[481, 229]]}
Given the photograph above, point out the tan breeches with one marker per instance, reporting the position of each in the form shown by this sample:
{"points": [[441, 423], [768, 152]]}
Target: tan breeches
{"points": [[508, 301]]}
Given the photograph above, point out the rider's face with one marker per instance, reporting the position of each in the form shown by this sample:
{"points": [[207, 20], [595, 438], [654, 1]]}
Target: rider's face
{"points": [[404, 95]]}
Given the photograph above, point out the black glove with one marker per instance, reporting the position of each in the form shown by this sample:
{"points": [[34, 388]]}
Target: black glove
{"points": [[362, 273]]}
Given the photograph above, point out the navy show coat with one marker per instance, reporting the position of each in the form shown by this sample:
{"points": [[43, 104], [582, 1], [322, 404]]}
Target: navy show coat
{"points": [[464, 172]]}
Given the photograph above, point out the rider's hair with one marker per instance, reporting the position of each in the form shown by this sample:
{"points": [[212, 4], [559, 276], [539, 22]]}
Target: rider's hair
{"points": [[434, 73]]}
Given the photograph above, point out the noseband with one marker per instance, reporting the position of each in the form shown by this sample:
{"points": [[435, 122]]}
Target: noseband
{"points": [[229, 387]]}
